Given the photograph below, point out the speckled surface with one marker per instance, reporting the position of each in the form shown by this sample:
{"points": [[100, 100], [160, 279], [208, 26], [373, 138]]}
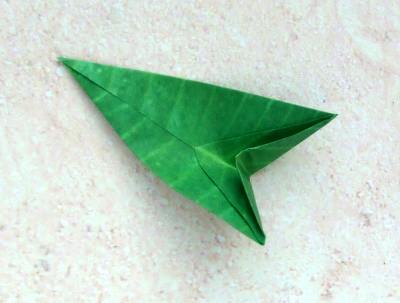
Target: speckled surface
{"points": [[81, 220]]}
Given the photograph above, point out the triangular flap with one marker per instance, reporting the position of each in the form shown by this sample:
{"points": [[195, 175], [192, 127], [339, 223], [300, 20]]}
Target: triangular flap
{"points": [[231, 162], [227, 179], [257, 157]]}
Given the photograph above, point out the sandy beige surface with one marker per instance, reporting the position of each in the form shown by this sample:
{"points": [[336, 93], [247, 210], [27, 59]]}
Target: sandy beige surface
{"points": [[81, 220]]}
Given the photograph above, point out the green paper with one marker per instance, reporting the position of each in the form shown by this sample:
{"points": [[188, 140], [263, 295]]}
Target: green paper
{"points": [[203, 140]]}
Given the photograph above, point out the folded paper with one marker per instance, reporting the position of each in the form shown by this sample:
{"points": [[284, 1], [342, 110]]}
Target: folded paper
{"points": [[203, 140]]}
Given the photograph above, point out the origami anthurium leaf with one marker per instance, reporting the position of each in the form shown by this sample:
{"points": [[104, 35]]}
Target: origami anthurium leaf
{"points": [[203, 140]]}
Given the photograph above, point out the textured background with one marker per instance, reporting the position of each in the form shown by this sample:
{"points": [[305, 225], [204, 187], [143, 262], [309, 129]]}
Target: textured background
{"points": [[81, 220]]}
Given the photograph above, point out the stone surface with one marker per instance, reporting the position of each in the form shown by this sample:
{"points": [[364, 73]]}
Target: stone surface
{"points": [[81, 220]]}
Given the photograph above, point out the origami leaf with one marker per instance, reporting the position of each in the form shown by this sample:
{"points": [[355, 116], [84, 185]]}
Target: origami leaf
{"points": [[202, 140]]}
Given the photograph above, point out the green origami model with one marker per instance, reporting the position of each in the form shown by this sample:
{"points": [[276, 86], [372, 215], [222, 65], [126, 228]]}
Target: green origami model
{"points": [[203, 140]]}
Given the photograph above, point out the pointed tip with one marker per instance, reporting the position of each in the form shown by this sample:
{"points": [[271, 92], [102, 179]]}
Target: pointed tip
{"points": [[331, 116], [326, 117], [258, 236], [68, 62], [261, 240], [63, 59]]}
